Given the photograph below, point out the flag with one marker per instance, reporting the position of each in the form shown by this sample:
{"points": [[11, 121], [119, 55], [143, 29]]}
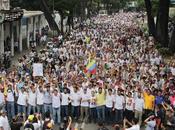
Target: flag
{"points": [[91, 67]]}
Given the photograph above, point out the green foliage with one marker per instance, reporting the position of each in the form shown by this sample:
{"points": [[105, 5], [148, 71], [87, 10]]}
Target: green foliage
{"points": [[165, 52], [155, 4], [141, 4]]}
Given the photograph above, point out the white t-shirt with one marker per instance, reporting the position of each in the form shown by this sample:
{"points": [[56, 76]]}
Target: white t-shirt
{"points": [[129, 103], [10, 96], [150, 125], [139, 104], [75, 97], [55, 101], [119, 101], [64, 99], [109, 100], [32, 98], [40, 98], [1, 98], [134, 127], [4, 123], [22, 99], [37, 126], [84, 99], [92, 102]]}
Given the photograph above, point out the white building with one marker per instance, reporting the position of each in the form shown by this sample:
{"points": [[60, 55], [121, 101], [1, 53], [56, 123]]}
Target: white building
{"points": [[10, 27], [32, 24], [18, 28]]}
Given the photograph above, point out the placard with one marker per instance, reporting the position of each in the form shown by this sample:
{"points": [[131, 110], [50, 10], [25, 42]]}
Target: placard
{"points": [[37, 69]]}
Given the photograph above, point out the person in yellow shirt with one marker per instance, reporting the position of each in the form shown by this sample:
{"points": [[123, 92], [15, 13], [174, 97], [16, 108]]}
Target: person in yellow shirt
{"points": [[149, 102], [100, 102]]}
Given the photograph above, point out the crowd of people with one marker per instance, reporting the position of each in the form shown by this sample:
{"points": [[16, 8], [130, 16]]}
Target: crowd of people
{"points": [[130, 87]]}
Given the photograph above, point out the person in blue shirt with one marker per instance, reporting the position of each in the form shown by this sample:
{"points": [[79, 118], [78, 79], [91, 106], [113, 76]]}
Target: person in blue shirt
{"points": [[159, 98]]}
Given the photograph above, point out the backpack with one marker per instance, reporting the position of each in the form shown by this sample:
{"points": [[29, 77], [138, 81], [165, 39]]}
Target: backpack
{"points": [[29, 126]]}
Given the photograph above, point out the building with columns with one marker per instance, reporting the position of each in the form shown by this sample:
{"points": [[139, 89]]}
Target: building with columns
{"points": [[32, 24], [18, 28], [10, 27]]}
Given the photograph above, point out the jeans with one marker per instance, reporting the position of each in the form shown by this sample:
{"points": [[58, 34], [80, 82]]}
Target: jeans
{"points": [[119, 116], [48, 107], [64, 111], [75, 112], [31, 109], [11, 109], [56, 115], [101, 113], [129, 115], [40, 109], [21, 109], [93, 115], [109, 115]]}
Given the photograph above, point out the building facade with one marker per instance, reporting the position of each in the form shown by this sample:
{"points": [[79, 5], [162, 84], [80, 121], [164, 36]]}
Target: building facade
{"points": [[18, 28], [10, 27]]}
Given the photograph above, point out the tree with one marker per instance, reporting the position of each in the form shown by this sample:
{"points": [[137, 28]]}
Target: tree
{"points": [[151, 23], [172, 41], [38, 5], [162, 22], [48, 15]]}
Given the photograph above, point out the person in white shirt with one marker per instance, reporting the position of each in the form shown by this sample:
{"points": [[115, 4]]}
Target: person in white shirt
{"points": [[150, 123], [48, 100], [2, 99], [85, 97], [40, 100], [22, 101], [31, 100], [119, 106], [10, 102], [56, 106], [93, 111], [109, 105], [139, 105], [4, 123], [75, 102], [129, 109], [64, 103], [134, 125]]}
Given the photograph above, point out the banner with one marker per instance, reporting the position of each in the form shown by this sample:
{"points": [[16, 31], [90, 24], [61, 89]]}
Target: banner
{"points": [[37, 69]]}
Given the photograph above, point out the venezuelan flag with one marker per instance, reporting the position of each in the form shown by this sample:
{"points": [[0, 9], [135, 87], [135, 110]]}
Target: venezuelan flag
{"points": [[91, 67]]}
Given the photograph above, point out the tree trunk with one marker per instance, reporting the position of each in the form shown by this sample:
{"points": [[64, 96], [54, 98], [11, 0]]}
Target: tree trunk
{"points": [[172, 41], [62, 18], [151, 23], [48, 15], [162, 22]]}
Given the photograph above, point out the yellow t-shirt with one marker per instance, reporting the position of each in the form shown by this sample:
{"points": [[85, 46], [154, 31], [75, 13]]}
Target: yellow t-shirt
{"points": [[149, 101], [100, 99]]}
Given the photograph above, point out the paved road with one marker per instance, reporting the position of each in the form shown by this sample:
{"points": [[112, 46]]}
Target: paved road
{"points": [[89, 126]]}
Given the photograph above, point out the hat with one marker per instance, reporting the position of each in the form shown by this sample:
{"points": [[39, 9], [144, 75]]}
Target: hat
{"points": [[30, 117]]}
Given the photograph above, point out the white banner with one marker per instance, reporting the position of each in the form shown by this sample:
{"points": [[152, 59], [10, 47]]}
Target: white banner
{"points": [[37, 69]]}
